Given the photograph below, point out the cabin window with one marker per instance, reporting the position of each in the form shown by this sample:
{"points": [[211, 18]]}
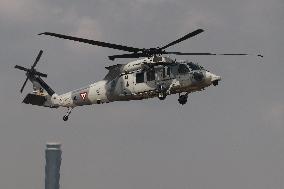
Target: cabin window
{"points": [[140, 77], [183, 69], [150, 75], [168, 71]]}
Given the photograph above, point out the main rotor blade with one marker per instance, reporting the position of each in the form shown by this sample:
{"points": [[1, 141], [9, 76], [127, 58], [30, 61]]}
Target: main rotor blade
{"points": [[24, 85], [198, 54], [40, 74], [187, 36], [21, 68], [134, 55], [92, 42], [37, 59]]}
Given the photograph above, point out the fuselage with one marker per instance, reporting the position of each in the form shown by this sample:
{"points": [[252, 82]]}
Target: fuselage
{"points": [[141, 79]]}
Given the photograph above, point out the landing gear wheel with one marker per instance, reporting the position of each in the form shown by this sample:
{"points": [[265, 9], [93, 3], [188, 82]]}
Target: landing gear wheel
{"points": [[183, 99], [162, 96], [65, 118]]}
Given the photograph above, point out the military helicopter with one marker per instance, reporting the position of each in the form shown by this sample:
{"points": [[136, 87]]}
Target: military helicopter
{"points": [[152, 76]]}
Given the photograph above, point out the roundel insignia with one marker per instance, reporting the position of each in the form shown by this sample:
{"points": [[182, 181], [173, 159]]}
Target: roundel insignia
{"points": [[83, 95]]}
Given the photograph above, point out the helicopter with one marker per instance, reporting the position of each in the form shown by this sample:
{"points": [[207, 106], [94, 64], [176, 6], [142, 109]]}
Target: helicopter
{"points": [[152, 75]]}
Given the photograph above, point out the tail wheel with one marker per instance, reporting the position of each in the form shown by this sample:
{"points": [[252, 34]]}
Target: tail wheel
{"points": [[65, 118]]}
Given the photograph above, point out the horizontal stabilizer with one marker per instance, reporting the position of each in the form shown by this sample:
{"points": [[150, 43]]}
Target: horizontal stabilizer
{"points": [[35, 99]]}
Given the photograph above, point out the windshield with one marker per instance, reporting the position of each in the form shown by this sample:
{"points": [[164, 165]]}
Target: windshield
{"points": [[183, 69], [193, 66]]}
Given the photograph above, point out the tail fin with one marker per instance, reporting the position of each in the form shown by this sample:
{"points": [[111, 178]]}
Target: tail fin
{"points": [[41, 95]]}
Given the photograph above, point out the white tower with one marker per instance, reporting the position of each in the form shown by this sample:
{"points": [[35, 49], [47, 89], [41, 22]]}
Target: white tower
{"points": [[52, 168]]}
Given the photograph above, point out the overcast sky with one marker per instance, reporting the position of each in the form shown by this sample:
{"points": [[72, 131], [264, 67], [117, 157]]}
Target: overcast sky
{"points": [[227, 137]]}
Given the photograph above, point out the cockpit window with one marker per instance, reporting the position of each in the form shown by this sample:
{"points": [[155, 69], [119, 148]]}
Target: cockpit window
{"points": [[194, 66], [183, 69]]}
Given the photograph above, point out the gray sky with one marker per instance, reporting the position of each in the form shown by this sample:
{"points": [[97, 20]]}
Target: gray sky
{"points": [[229, 136]]}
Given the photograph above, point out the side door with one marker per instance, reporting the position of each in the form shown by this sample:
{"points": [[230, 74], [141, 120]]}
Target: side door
{"points": [[151, 79], [144, 81], [167, 73], [164, 76], [183, 75]]}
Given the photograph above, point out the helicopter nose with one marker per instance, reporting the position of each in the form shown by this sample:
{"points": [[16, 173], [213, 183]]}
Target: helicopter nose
{"points": [[212, 78]]}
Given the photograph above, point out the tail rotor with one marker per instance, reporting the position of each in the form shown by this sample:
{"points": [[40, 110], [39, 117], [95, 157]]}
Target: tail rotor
{"points": [[32, 71]]}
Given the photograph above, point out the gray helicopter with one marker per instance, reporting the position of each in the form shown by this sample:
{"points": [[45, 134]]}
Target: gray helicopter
{"points": [[152, 76]]}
